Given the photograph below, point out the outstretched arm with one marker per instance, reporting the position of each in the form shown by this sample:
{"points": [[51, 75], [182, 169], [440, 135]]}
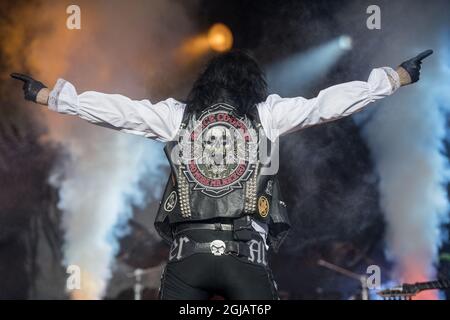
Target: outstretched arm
{"points": [[280, 116], [159, 121]]}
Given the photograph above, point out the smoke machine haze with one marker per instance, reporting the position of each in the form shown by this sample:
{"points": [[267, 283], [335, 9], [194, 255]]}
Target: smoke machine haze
{"points": [[104, 173], [406, 136]]}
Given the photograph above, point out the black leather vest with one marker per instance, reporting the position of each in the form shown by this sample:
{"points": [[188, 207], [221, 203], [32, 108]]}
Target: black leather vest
{"points": [[219, 171]]}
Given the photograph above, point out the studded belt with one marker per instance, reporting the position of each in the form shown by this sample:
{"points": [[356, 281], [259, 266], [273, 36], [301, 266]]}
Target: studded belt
{"points": [[253, 251], [202, 226]]}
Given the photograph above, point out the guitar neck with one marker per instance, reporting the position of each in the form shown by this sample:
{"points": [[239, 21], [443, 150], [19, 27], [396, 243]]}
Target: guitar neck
{"points": [[431, 285]]}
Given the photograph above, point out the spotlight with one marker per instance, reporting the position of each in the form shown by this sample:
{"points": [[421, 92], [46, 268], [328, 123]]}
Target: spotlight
{"points": [[220, 38], [300, 71], [345, 42]]}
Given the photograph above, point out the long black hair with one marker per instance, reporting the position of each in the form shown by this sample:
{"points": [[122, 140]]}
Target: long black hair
{"points": [[235, 78]]}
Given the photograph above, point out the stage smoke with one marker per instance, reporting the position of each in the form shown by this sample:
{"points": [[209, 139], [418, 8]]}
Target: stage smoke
{"points": [[104, 173], [406, 135], [301, 71]]}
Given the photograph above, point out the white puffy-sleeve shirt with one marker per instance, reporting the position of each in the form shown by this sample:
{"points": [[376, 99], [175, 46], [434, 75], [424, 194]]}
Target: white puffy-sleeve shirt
{"points": [[279, 116]]}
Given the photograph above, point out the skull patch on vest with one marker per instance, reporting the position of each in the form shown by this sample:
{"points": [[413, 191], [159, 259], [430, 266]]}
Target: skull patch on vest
{"points": [[218, 151]]}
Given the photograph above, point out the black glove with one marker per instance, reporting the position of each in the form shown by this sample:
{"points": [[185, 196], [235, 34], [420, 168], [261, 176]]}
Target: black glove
{"points": [[413, 65], [30, 87]]}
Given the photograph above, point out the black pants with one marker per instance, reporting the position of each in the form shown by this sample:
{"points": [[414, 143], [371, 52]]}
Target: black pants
{"points": [[203, 275]]}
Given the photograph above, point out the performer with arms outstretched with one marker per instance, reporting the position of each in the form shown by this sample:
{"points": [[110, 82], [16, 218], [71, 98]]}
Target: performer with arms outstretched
{"points": [[222, 207]]}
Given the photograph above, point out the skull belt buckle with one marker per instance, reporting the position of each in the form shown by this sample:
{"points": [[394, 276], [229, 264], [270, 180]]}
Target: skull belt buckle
{"points": [[217, 247]]}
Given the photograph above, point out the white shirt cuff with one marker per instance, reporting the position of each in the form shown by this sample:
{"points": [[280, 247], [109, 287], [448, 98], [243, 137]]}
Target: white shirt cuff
{"points": [[63, 98], [54, 94], [393, 77]]}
